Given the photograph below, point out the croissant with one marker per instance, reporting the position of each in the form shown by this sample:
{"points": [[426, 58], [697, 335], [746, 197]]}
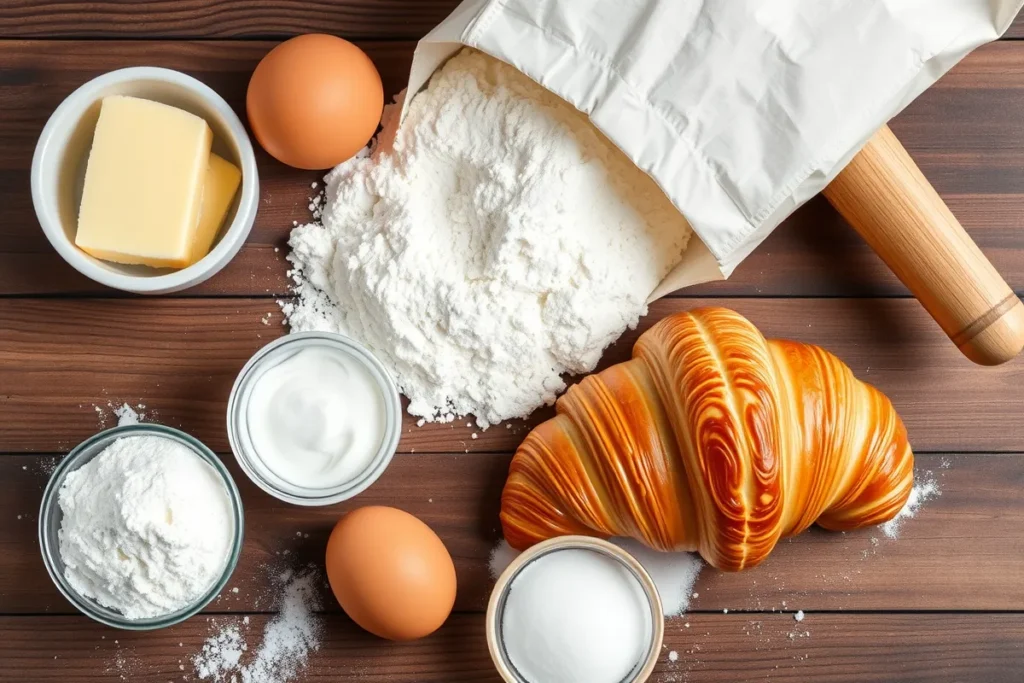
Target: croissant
{"points": [[712, 439]]}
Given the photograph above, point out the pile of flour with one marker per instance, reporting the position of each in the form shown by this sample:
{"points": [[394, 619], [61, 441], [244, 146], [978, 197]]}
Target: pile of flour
{"points": [[493, 243], [147, 527]]}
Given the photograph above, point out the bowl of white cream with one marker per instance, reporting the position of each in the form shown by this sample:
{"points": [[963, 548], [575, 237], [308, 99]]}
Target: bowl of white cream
{"points": [[314, 418]]}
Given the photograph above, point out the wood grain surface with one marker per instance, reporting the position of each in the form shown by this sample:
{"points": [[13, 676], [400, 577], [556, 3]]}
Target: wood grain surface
{"points": [[981, 507], [379, 19], [943, 602], [180, 357], [232, 18], [715, 648]]}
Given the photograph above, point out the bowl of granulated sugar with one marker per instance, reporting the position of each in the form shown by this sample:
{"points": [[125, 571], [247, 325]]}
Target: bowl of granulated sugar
{"points": [[140, 527], [575, 610]]}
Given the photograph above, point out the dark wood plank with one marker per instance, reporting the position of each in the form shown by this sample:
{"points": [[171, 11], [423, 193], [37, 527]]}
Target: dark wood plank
{"points": [[716, 648], [60, 358], [965, 132], [1016, 30], [961, 552], [850, 648], [408, 19]]}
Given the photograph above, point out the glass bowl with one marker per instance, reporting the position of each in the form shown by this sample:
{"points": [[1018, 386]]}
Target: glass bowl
{"points": [[50, 517], [238, 422], [499, 597]]}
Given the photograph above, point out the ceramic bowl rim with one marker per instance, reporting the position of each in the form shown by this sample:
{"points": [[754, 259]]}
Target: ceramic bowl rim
{"points": [[47, 159]]}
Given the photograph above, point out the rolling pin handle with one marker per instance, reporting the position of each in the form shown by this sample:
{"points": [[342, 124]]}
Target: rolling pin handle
{"points": [[885, 197]]}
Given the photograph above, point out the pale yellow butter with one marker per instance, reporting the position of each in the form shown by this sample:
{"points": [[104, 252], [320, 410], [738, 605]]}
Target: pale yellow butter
{"points": [[222, 180], [144, 183]]}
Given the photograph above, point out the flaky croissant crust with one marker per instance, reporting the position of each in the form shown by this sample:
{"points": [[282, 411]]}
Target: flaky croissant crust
{"points": [[712, 439]]}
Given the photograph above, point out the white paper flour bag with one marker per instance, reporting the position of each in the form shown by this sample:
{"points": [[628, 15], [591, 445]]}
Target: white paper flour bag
{"points": [[741, 110]]}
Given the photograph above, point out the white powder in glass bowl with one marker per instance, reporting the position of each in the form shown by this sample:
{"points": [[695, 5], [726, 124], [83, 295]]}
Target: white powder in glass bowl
{"points": [[147, 527]]}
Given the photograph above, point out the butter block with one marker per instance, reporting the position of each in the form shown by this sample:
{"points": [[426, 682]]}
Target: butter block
{"points": [[221, 183], [144, 183]]}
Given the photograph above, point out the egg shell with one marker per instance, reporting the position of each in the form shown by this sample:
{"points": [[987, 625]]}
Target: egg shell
{"points": [[314, 101], [391, 573]]}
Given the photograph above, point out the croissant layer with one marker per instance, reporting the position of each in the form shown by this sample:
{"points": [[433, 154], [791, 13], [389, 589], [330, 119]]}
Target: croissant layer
{"points": [[711, 439]]}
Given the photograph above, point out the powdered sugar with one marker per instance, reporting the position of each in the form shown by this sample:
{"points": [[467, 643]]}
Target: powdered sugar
{"points": [[492, 244], [502, 556]]}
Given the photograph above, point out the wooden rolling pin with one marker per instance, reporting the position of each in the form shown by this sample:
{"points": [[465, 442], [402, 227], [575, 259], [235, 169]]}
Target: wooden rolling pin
{"points": [[885, 197]]}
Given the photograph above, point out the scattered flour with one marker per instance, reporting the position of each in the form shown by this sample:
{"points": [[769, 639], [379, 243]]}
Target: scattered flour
{"points": [[673, 573], [220, 654], [925, 488], [283, 651], [493, 243], [799, 616], [126, 415], [125, 663]]}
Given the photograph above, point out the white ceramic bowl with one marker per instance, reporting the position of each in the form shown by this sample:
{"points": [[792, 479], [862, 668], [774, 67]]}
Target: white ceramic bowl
{"points": [[58, 172]]}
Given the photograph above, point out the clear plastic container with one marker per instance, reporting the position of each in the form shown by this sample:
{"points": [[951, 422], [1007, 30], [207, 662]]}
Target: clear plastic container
{"points": [[249, 458], [50, 517]]}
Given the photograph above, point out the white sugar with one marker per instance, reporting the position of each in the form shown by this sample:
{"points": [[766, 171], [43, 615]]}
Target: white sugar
{"points": [[673, 573], [575, 616]]}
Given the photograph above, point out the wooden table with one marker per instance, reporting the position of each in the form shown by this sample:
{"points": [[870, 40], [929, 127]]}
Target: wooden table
{"points": [[945, 602]]}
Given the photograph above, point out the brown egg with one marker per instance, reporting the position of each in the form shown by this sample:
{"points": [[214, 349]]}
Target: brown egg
{"points": [[314, 101], [391, 573]]}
